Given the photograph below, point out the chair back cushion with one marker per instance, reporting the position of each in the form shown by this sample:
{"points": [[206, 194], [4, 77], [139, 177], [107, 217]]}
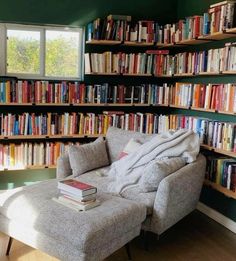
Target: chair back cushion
{"points": [[117, 139]]}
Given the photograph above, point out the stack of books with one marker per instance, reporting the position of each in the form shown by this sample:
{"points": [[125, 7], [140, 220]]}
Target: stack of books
{"points": [[77, 195]]}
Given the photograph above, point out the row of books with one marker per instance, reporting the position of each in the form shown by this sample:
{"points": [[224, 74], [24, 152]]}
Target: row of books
{"points": [[159, 62], [217, 134], [76, 123], [210, 61], [222, 171], [77, 195], [28, 154], [220, 97], [220, 16], [31, 91], [151, 62]]}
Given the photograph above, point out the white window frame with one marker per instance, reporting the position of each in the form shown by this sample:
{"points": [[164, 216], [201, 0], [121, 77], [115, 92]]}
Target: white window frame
{"points": [[42, 29]]}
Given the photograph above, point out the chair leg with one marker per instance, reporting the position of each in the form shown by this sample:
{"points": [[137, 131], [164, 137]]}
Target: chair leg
{"points": [[127, 247], [9, 246], [146, 240]]}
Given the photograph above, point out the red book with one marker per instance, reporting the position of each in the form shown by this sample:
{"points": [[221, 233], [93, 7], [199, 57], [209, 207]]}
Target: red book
{"points": [[76, 187], [157, 51]]}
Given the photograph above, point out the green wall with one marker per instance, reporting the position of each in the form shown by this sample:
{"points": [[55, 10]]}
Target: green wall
{"points": [[80, 12]]}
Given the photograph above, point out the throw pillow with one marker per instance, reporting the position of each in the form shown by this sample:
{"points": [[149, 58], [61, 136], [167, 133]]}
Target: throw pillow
{"points": [[157, 170], [117, 138], [88, 156], [131, 146]]}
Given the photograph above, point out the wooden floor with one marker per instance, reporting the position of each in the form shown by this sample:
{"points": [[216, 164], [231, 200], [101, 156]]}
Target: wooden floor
{"points": [[196, 237]]}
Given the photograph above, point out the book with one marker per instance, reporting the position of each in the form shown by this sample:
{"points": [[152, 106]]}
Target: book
{"points": [[76, 207], [119, 17], [76, 187], [76, 202], [78, 198]]}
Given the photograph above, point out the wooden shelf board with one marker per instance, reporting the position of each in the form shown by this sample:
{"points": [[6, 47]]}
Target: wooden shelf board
{"points": [[209, 73], [216, 36], [29, 167], [231, 30], [138, 74], [92, 73], [193, 41], [183, 74], [229, 72], [179, 107], [163, 76], [103, 42], [223, 152], [15, 104], [130, 43], [227, 112], [161, 105], [225, 191], [165, 45], [202, 109]]}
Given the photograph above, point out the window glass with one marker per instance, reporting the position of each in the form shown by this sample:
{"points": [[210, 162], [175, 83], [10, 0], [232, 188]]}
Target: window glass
{"points": [[23, 51], [62, 53]]}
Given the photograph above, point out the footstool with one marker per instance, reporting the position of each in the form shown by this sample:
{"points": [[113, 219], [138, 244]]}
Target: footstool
{"points": [[30, 215]]}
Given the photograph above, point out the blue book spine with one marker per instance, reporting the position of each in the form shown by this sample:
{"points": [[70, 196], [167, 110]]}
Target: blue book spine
{"points": [[90, 31]]}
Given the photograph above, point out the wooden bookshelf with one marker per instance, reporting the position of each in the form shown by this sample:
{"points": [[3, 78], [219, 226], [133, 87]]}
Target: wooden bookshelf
{"points": [[183, 75], [217, 36], [29, 167], [220, 151], [195, 41], [42, 137], [178, 106], [202, 109], [103, 42], [108, 74], [229, 72], [138, 74], [225, 191], [142, 44], [209, 73]]}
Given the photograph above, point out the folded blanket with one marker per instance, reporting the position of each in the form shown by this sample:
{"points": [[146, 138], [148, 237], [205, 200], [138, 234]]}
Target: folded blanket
{"points": [[128, 170]]}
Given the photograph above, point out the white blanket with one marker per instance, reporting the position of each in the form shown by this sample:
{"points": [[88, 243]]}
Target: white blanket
{"points": [[128, 170]]}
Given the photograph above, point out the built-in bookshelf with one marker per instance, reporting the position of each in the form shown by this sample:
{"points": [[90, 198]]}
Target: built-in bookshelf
{"points": [[155, 55]]}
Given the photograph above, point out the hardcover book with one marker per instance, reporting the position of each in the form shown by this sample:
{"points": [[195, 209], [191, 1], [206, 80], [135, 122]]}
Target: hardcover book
{"points": [[76, 187]]}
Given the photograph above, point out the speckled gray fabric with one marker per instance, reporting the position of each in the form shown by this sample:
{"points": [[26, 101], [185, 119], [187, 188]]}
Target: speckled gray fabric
{"points": [[32, 207], [88, 156], [157, 170], [117, 139]]}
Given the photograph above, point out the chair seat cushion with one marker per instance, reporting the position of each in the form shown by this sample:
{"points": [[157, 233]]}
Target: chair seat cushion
{"points": [[32, 206]]}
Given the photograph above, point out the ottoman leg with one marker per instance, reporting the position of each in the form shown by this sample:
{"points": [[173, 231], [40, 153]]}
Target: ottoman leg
{"points": [[9, 246], [127, 247]]}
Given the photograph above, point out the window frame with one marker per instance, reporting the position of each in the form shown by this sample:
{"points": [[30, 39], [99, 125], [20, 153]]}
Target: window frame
{"points": [[42, 53]]}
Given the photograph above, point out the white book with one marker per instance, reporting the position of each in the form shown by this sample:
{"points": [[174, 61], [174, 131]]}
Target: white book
{"points": [[87, 65], [76, 207]]}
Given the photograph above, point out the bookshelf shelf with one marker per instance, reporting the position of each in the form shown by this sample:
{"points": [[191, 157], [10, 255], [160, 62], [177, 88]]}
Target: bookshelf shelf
{"points": [[56, 136], [103, 42], [29, 167], [109, 74], [220, 151], [220, 188], [142, 44], [195, 41], [217, 36], [138, 74]]}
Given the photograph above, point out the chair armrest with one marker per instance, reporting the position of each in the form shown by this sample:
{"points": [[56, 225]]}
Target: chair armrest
{"points": [[63, 167], [178, 195]]}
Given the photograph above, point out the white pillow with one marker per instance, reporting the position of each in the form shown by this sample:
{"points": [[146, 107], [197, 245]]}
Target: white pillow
{"points": [[130, 147], [157, 170]]}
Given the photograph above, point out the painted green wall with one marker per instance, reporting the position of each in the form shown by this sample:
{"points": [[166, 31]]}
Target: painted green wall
{"points": [[80, 12]]}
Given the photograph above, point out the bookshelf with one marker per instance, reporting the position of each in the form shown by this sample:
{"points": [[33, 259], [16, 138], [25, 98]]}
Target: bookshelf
{"points": [[173, 45]]}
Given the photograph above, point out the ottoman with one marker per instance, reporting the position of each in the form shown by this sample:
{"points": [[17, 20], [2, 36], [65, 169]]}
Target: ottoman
{"points": [[29, 214]]}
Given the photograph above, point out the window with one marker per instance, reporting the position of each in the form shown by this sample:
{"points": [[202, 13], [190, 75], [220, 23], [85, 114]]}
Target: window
{"points": [[41, 52]]}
